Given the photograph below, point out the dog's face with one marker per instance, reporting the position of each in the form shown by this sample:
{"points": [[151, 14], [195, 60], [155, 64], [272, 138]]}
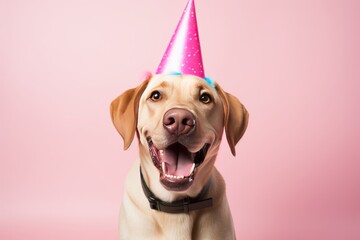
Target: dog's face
{"points": [[179, 120]]}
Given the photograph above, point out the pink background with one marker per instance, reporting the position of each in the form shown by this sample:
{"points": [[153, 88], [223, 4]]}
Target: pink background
{"points": [[294, 64]]}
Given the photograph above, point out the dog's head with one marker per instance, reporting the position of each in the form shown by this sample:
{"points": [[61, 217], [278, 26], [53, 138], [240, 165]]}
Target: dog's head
{"points": [[179, 121]]}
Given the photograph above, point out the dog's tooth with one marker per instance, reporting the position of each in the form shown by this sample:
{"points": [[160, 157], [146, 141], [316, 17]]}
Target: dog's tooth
{"points": [[161, 154], [192, 169], [163, 166], [174, 177]]}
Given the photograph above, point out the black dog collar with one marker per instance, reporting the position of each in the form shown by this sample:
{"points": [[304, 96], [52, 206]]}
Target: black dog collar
{"points": [[181, 206]]}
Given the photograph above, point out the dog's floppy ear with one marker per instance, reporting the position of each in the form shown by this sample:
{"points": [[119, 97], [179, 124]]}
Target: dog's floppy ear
{"points": [[124, 112], [236, 118]]}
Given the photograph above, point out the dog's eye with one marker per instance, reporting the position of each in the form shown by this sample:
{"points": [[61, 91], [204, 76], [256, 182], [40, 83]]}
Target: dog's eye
{"points": [[205, 98], [155, 96]]}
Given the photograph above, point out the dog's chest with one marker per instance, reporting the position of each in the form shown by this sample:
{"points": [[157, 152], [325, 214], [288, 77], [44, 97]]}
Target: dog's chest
{"points": [[176, 226]]}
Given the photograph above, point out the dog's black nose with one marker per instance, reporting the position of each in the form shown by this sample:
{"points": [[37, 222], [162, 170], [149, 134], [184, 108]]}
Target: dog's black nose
{"points": [[179, 121]]}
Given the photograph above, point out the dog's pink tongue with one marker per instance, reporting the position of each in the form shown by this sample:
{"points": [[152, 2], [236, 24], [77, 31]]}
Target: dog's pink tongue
{"points": [[178, 160]]}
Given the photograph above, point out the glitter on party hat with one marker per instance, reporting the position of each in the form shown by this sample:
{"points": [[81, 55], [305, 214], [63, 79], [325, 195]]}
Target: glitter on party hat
{"points": [[183, 54]]}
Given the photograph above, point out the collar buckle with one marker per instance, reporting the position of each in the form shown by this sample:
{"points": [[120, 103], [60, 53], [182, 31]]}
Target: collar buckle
{"points": [[154, 204]]}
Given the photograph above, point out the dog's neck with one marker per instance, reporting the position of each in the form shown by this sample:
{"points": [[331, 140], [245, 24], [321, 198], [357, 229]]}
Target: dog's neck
{"points": [[180, 206]]}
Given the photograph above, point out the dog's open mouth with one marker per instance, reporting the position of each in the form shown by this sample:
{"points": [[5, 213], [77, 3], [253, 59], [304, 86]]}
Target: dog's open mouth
{"points": [[177, 165]]}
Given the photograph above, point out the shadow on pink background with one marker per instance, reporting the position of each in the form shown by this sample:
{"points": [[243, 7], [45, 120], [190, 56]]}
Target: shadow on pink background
{"points": [[294, 64]]}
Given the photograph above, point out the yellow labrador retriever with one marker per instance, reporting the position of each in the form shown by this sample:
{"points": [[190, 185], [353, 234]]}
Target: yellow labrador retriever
{"points": [[174, 191]]}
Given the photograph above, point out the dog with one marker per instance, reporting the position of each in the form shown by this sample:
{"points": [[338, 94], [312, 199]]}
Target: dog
{"points": [[173, 191]]}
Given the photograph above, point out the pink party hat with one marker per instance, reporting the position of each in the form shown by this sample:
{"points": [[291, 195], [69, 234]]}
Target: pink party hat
{"points": [[183, 54]]}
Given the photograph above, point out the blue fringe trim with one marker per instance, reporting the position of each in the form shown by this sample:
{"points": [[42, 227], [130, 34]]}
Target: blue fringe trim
{"points": [[210, 81], [175, 73]]}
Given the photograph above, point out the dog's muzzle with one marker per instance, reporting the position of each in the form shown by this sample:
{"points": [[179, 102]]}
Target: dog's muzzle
{"points": [[177, 165]]}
